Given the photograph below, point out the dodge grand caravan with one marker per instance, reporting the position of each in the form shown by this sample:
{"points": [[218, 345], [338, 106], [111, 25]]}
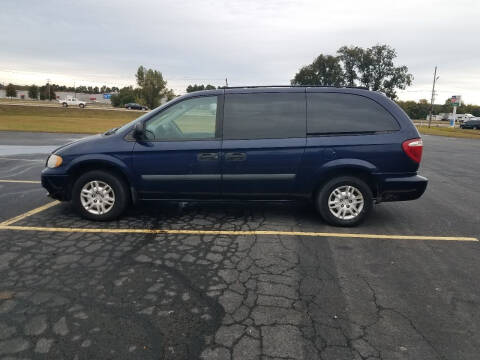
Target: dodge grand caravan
{"points": [[342, 148]]}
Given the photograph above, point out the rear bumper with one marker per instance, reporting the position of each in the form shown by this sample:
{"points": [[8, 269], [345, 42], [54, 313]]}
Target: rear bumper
{"points": [[56, 185], [401, 188]]}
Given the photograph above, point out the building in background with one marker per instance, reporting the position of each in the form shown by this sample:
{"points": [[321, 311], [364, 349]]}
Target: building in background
{"points": [[89, 98]]}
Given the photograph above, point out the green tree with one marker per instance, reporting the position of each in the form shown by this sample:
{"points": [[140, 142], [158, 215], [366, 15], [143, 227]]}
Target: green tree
{"points": [[11, 91], [33, 92], [372, 68], [195, 87], [152, 86], [350, 58], [126, 95], [415, 110], [471, 109], [44, 92], [379, 73], [326, 70], [170, 94]]}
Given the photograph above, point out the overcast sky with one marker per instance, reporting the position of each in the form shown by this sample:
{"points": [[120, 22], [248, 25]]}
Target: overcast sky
{"points": [[94, 42]]}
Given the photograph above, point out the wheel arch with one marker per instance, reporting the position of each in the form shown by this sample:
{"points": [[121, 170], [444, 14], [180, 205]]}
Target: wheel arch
{"points": [[83, 166], [362, 170]]}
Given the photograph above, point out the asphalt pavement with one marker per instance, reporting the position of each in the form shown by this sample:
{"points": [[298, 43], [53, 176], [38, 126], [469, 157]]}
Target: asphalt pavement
{"points": [[189, 281]]}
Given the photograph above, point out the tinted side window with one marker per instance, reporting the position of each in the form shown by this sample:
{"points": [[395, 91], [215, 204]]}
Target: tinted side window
{"points": [[346, 113], [264, 116]]}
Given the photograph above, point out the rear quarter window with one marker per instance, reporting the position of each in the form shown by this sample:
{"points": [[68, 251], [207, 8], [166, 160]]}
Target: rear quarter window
{"points": [[337, 113]]}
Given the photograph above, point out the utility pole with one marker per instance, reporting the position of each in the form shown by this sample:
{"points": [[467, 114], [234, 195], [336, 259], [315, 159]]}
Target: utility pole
{"points": [[435, 78], [48, 84], [226, 82]]}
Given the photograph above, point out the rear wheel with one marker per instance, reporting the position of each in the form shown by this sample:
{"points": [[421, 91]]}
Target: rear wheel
{"points": [[64, 104], [99, 195], [344, 201], [81, 105]]}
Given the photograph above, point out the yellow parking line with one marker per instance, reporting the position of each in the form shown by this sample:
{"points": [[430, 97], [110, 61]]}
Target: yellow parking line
{"points": [[236, 233], [28, 213], [20, 181], [7, 225]]}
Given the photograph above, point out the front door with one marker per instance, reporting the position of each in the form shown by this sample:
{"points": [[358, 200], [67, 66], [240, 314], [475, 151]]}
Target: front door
{"points": [[180, 157], [264, 137]]}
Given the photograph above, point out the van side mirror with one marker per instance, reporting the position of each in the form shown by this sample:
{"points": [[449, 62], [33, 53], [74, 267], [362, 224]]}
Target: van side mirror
{"points": [[139, 131]]}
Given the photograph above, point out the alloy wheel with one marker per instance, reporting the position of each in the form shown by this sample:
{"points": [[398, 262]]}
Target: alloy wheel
{"points": [[345, 202], [97, 197]]}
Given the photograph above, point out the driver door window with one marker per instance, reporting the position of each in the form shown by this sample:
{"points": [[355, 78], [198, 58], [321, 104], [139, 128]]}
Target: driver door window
{"points": [[192, 119]]}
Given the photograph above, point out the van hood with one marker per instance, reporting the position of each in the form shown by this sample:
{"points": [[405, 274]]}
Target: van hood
{"points": [[76, 143]]}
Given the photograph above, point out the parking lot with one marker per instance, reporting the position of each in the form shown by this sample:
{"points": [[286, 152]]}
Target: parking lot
{"points": [[241, 281]]}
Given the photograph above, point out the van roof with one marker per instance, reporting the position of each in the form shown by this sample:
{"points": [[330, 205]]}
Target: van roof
{"points": [[286, 88], [292, 86]]}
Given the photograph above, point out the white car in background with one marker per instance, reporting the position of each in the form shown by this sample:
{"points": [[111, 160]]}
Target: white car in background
{"points": [[71, 101]]}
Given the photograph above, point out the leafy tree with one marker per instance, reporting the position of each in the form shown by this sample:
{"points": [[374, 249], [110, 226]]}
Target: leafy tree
{"points": [[105, 89], [11, 90], [126, 95], [195, 87], [325, 70], [152, 86], [33, 92], [379, 73], [170, 94], [44, 92], [415, 110], [372, 68], [462, 109], [350, 58], [420, 109]]}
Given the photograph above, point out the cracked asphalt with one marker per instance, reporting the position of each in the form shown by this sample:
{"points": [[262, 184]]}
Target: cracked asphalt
{"points": [[73, 295]]}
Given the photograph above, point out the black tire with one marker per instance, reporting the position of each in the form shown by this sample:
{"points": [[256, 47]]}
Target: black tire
{"points": [[65, 104], [129, 108], [120, 189], [324, 193], [81, 105]]}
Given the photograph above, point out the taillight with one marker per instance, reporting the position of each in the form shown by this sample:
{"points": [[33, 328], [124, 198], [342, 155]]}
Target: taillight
{"points": [[413, 148]]}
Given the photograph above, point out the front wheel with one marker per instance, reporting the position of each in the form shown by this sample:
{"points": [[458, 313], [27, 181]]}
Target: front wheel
{"points": [[99, 195], [344, 201]]}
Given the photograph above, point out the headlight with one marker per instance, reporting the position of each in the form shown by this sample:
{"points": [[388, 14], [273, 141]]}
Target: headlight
{"points": [[54, 161]]}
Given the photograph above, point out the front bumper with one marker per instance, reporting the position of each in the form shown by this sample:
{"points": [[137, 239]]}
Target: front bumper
{"points": [[401, 188], [56, 185]]}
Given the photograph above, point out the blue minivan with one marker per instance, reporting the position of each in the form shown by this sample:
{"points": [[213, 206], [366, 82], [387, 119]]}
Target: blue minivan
{"points": [[342, 148]]}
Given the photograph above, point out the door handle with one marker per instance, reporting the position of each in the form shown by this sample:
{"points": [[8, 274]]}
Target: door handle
{"points": [[235, 156], [207, 156]]}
